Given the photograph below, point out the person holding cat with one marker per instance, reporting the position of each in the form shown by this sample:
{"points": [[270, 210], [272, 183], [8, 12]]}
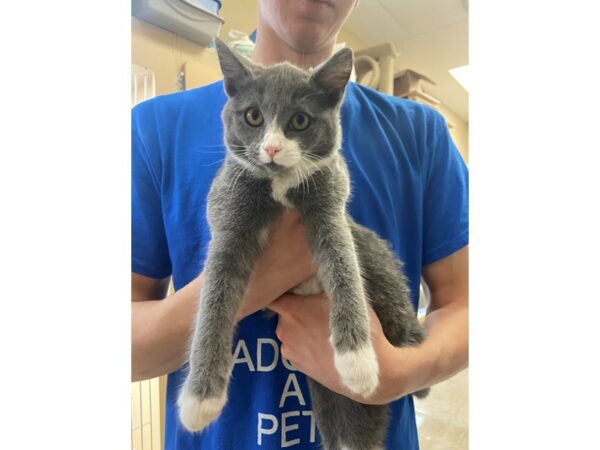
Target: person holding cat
{"points": [[409, 185]]}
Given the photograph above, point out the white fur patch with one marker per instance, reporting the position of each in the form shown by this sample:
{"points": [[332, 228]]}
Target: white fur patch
{"points": [[263, 236], [312, 286], [290, 153], [280, 185], [359, 370], [195, 414]]}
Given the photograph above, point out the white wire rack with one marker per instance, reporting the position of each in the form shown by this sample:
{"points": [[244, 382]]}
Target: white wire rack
{"points": [[143, 84]]}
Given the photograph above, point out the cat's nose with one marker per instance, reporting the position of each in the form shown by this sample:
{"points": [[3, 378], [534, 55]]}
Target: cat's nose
{"points": [[272, 151]]}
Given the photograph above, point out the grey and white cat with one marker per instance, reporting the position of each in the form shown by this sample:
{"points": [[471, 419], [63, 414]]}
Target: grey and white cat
{"points": [[283, 135]]}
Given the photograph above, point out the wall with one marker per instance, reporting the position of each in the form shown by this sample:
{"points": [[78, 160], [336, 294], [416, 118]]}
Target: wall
{"points": [[166, 53], [147, 414], [460, 132]]}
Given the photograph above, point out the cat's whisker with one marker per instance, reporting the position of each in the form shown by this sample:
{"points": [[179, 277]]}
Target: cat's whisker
{"points": [[221, 146], [237, 174], [298, 181], [314, 161], [311, 179], [316, 169], [213, 163], [247, 154], [200, 150], [312, 157], [305, 182], [249, 161], [233, 173], [305, 179], [300, 176], [236, 180], [246, 164]]}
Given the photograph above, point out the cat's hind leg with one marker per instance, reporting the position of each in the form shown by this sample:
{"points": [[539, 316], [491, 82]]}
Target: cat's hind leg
{"points": [[345, 424]]}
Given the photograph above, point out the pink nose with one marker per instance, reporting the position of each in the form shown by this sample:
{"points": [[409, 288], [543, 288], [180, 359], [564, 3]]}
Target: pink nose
{"points": [[271, 151]]}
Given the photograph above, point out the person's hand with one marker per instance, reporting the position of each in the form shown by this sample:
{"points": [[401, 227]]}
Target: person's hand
{"points": [[285, 262], [304, 331]]}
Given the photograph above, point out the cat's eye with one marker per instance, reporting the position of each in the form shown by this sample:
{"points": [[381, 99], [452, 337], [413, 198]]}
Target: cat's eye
{"points": [[300, 121], [253, 117]]}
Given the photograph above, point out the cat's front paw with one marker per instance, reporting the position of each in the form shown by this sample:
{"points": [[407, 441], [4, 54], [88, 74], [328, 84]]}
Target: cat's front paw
{"points": [[358, 370], [195, 412]]}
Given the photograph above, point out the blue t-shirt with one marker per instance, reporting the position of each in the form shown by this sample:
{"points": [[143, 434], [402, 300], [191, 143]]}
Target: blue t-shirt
{"points": [[409, 184]]}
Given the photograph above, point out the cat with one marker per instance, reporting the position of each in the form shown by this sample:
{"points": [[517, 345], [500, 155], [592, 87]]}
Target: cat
{"points": [[283, 135]]}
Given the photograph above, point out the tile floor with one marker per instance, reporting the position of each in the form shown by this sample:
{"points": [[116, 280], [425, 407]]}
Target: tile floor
{"points": [[443, 417]]}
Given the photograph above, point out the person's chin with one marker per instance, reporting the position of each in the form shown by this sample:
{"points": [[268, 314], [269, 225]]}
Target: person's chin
{"points": [[309, 40], [307, 33]]}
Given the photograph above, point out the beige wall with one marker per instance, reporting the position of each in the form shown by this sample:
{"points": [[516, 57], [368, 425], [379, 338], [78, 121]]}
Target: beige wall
{"points": [[241, 15], [168, 54], [147, 414], [460, 132]]}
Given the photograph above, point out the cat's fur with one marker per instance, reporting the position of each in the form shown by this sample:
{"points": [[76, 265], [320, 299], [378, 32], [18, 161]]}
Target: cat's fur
{"points": [[353, 264]]}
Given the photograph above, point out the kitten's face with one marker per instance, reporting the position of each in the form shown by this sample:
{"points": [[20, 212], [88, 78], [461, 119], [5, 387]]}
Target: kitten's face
{"points": [[281, 118]]}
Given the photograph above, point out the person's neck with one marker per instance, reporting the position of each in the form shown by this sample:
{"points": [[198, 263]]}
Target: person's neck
{"points": [[270, 49]]}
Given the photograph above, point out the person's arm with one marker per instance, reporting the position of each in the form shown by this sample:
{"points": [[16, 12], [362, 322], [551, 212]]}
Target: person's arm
{"points": [[161, 329], [445, 351], [304, 331]]}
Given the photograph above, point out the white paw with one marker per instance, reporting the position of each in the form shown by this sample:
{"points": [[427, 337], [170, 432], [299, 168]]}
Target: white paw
{"points": [[358, 370], [195, 413]]}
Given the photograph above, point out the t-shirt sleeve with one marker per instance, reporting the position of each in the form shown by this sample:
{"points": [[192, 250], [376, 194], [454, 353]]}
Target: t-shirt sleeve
{"points": [[446, 195], [149, 249]]}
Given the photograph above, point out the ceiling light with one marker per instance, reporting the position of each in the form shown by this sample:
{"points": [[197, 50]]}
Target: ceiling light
{"points": [[461, 75]]}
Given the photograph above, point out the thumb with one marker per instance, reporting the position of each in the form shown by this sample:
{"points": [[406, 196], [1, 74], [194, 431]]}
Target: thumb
{"points": [[283, 304]]}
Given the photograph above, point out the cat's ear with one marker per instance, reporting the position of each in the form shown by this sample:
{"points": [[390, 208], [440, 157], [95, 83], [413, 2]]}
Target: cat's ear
{"points": [[236, 69], [334, 74]]}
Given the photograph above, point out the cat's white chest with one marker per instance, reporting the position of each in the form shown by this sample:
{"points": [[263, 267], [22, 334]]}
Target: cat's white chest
{"points": [[280, 186]]}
